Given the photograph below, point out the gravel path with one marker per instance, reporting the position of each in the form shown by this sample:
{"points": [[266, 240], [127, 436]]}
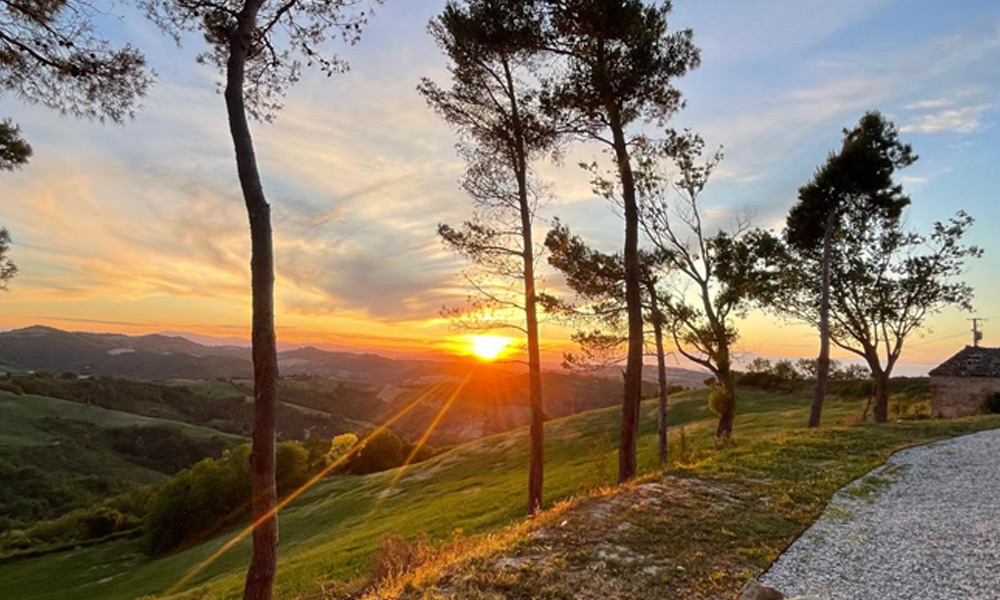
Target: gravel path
{"points": [[924, 526]]}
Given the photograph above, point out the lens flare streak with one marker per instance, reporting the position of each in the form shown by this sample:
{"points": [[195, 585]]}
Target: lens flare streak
{"points": [[243, 534], [420, 444]]}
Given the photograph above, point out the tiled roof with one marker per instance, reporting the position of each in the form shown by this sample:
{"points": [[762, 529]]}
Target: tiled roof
{"points": [[971, 361]]}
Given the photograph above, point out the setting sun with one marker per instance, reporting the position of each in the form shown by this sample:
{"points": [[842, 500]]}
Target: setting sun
{"points": [[488, 347]]}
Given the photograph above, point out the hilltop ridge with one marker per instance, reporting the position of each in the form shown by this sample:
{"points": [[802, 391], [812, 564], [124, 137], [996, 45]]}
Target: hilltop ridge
{"points": [[159, 356]]}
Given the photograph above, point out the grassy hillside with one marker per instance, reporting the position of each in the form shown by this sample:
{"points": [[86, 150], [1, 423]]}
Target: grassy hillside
{"points": [[329, 533], [23, 419], [57, 455]]}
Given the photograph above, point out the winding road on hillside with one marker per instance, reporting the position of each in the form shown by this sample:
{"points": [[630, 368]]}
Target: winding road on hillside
{"points": [[925, 525]]}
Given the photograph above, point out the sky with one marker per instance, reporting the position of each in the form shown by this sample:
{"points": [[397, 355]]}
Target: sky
{"points": [[140, 228]]}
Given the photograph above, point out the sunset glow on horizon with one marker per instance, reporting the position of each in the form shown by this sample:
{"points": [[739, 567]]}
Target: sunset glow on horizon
{"points": [[489, 347], [359, 266]]}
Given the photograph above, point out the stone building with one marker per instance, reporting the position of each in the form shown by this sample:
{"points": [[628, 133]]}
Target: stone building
{"points": [[962, 383]]}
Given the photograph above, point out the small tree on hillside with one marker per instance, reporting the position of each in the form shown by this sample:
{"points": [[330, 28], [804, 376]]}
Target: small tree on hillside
{"points": [[616, 64], [701, 320], [51, 55], [858, 177], [258, 45], [491, 45]]}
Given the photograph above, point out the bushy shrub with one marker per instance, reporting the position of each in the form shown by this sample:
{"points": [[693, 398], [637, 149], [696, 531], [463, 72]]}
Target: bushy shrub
{"points": [[385, 450], [719, 399], [909, 408], [856, 389], [766, 381], [679, 448], [292, 466]]}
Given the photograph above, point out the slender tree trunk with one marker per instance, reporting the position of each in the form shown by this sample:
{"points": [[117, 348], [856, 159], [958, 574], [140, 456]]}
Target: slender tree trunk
{"points": [[537, 466], [661, 376], [724, 430], [534, 355], [632, 396], [263, 562], [534, 381], [881, 381], [823, 362]]}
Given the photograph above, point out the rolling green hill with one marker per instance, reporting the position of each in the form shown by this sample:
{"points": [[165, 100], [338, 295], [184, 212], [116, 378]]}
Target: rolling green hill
{"points": [[328, 534], [23, 419], [57, 455]]}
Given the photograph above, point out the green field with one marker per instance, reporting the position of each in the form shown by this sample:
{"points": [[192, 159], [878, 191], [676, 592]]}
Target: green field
{"points": [[328, 534], [213, 388], [21, 419]]}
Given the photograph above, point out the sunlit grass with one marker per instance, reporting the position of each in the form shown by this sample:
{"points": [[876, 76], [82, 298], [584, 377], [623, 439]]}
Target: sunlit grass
{"points": [[329, 532]]}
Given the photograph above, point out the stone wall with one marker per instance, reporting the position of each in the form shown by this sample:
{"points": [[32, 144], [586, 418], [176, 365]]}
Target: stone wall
{"points": [[961, 396]]}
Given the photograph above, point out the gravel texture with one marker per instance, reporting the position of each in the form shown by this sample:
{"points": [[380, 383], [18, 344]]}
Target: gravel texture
{"points": [[925, 525]]}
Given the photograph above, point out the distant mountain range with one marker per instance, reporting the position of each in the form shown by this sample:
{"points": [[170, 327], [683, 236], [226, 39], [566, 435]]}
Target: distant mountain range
{"points": [[157, 356]]}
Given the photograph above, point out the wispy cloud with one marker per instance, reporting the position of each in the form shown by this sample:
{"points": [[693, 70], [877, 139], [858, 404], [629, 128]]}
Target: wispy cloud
{"points": [[140, 223], [965, 119]]}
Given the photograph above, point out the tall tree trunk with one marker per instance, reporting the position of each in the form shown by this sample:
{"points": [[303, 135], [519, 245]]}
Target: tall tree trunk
{"points": [[661, 376], [534, 376], [537, 466], [823, 362], [632, 396], [263, 562]]}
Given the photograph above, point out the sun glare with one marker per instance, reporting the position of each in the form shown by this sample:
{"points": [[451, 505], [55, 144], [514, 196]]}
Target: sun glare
{"points": [[488, 347]]}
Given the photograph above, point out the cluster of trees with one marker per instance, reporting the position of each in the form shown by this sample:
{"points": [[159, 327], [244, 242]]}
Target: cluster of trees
{"points": [[848, 263], [529, 77], [85, 464], [120, 515], [787, 375], [32, 492], [803, 369]]}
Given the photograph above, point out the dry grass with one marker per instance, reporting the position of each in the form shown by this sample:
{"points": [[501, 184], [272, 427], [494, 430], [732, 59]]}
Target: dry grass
{"points": [[714, 520]]}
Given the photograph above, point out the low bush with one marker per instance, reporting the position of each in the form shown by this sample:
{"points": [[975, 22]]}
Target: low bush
{"points": [[992, 404]]}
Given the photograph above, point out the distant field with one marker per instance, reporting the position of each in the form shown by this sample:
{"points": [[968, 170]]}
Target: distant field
{"points": [[213, 388], [328, 534], [21, 416]]}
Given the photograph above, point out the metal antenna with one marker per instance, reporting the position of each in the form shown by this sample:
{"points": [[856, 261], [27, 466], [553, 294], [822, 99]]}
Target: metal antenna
{"points": [[977, 335]]}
